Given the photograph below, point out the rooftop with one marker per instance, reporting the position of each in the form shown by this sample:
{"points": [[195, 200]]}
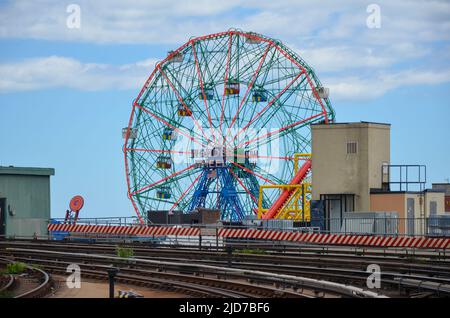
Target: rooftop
{"points": [[353, 124], [442, 186], [380, 191], [29, 171]]}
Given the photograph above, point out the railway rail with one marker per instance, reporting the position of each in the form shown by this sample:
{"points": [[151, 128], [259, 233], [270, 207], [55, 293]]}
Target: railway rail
{"points": [[403, 270], [285, 285], [404, 263], [39, 282], [273, 248]]}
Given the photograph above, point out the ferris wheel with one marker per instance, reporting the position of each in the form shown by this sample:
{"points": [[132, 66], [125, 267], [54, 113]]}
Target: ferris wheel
{"points": [[220, 116]]}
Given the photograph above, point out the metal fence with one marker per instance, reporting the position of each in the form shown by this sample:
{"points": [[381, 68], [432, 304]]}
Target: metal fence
{"points": [[438, 225], [433, 226], [131, 220]]}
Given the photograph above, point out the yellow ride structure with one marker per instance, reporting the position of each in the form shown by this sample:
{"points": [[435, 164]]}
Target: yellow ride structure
{"points": [[297, 207]]}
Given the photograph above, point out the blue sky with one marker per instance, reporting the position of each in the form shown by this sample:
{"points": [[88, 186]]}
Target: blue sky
{"points": [[66, 93]]}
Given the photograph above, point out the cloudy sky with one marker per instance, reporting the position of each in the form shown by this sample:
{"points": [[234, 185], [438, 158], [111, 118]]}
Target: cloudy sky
{"points": [[65, 92]]}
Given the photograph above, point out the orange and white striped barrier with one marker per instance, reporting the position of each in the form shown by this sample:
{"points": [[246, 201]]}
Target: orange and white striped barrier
{"points": [[314, 238], [125, 230]]}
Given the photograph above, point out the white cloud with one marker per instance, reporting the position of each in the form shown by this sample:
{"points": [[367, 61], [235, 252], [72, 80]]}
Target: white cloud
{"points": [[56, 71], [357, 88], [343, 58], [332, 37], [347, 58], [171, 21]]}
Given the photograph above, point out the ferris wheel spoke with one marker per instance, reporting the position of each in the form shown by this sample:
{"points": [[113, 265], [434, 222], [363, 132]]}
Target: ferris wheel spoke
{"points": [[159, 151], [250, 156], [212, 61], [274, 179], [316, 95], [252, 172], [182, 90], [264, 118], [183, 103], [244, 187], [147, 187], [263, 74], [268, 105], [276, 132], [250, 85], [200, 78], [185, 192], [225, 80], [169, 125]]}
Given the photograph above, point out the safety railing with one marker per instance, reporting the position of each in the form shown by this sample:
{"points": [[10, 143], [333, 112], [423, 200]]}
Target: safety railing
{"points": [[436, 226], [433, 226]]}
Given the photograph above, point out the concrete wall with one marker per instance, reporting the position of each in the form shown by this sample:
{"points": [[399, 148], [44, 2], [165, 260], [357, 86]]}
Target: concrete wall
{"points": [[28, 196], [392, 202], [445, 187], [439, 198], [334, 171], [397, 202]]}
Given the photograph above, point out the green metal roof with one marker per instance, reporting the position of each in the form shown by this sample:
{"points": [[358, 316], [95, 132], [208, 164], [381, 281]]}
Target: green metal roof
{"points": [[30, 171]]}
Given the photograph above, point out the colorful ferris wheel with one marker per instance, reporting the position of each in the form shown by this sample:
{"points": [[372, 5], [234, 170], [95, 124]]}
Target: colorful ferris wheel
{"points": [[220, 116]]}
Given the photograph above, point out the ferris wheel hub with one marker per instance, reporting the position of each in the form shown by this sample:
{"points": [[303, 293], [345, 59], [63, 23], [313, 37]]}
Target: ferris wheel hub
{"points": [[210, 155]]}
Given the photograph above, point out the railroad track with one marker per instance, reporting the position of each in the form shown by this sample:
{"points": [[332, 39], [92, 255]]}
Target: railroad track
{"points": [[35, 285], [202, 287], [269, 249], [401, 273], [249, 283]]}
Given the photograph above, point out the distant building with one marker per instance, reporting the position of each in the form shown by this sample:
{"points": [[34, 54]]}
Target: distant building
{"points": [[444, 187], [351, 172], [24, 201], [413, 207], [346, 163]]}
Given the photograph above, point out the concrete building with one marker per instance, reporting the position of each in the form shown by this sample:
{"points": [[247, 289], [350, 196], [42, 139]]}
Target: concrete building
{"points": [[351, 172], [445, 187], [24, 201], [346, 163], [413, 207]]}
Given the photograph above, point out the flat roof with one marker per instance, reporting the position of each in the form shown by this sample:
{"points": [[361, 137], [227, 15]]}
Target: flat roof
{"points": [[442, 186], [351, 123], [379, 191], [29, 171]]}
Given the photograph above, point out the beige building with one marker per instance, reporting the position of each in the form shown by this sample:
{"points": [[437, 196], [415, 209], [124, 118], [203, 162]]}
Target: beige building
{"points": [[346, 163], [413, 207], [445, 187], [351, 172]]}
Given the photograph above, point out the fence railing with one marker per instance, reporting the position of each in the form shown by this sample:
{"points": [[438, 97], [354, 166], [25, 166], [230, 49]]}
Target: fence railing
{"points": [[389, 226], [432, 226]]}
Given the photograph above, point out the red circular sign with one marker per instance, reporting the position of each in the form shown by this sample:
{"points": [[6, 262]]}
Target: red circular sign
{"points": [[76, 203]]}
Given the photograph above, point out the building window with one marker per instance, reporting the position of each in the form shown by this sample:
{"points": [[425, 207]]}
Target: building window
{"points": [[352, 147]]}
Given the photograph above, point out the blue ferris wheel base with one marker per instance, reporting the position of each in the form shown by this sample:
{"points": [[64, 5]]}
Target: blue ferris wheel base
{"points": [[228, 201]]}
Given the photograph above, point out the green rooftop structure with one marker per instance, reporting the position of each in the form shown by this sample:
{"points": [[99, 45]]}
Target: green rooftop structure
{"points": [[24, 201]]}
